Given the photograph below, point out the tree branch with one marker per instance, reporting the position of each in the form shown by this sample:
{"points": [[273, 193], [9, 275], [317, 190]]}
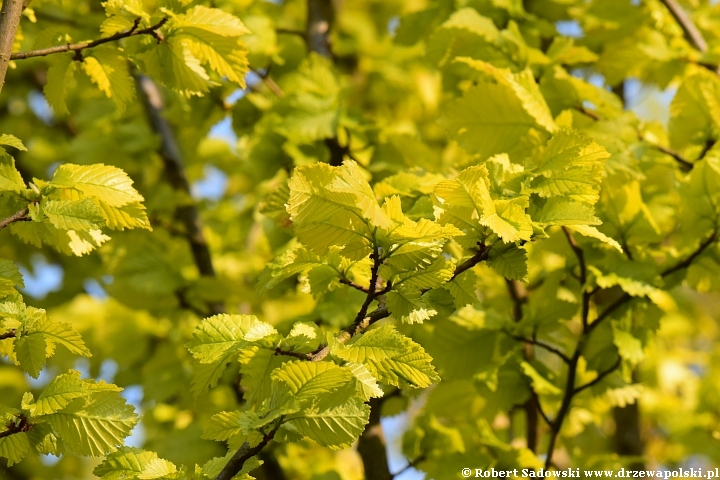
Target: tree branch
{"points": [[691, 31], [371, 445], [583, 277], [265, 77], [686, 263], [421, 458], [187, 213], [13, 428], [20, 216], [481, 255], [684, 163], [321, 16], [244, 453], [77, 47], [354, 285], [9, 21], [545, 346], [11, 334]]}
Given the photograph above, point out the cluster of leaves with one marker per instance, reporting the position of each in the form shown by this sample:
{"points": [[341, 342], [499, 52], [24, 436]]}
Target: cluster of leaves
{"points": [[179, 48], [71, 415]]}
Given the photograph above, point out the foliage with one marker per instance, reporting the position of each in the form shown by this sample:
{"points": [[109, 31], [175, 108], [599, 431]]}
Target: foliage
{"points": [[453, 215]]}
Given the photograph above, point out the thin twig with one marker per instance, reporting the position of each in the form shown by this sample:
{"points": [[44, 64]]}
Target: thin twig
{"points": [[684, 163], [244, 453], [542, 345], [11, 334], [421, 458], [354, 285], [12, 428], [481, 255], [686, 263], [20, 216], [265, 77], [691, 31], [77, 47]]}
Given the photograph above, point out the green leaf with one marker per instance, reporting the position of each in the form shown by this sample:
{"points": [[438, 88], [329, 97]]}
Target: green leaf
{"points": [[330, 426], [390, 356], [106, 183], [489, 119], [31, 352], [308, 380], [14, 447], [406, 304], [131, 215], [463, 288], [223, 335], [63, 334], [62, 390], [12, 141], [571, 166], [10, 178], [9, 271], [200, 36], [432, 276], [593, 232], [78, 215], [524, 87], [510, 262], [131, 462], [257, 364], [94, 426], [60, 77], [108, 69]]}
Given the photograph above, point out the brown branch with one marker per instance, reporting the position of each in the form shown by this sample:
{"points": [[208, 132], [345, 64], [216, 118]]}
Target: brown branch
{"points": [[587, 112], [481, 255], [320, 18], [244, 453], [600, 376], [571, 390], [556, 424], [538, 343], [187, 213], [357, 324], [265, 77], [354, 285], [371, 445], [691, 31], [421, 458], [288, 353], [20, 216], [11, 334], [684, 163], [12, 428], [9, 21], [686, 263], [77, 47], [583, 276], [532, 407]]}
